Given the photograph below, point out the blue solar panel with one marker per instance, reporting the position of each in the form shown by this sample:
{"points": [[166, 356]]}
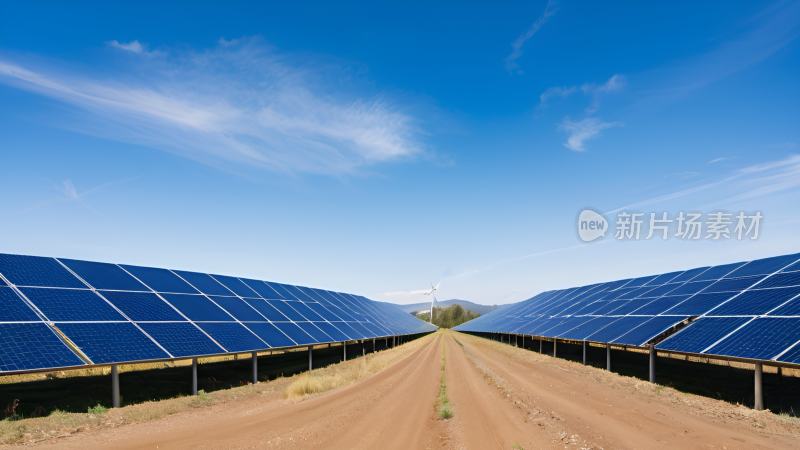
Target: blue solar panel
{"points": [[270, 334], [718, 272], [284, 307], [262, 289], [791, 308], [37, 271], [30, 346], [142, 306], [692, 288], [112, 342], [756, 302], [643, 333], [332, 331], [197, 307], [238, 308], [160, 280], [112, 314], [702, 333], [104, 276], [345, 328], [763, 338], [236, 285], [700, 304], [659, 305], [315, 332], [791, 356], [765, 266], [617, 329], [296, 333], [587, 329], [626, 307], [233, 336], [793, 268], [733, 284], [663, 278], [781, 280], [204, 283], [663, 290], [280, 289], [689, 275], [567, 325], [636, 282], [304, 310], [266, 309], [181, 339], [71, 305], [363, 332], [14, 309]]}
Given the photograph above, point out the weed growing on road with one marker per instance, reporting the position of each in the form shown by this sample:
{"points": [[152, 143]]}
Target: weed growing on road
{"points": [[445, 407], [98, 409]]}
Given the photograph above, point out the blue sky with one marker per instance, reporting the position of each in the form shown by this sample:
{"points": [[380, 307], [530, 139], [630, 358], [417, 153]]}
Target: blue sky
{"points": [[370, 148]]}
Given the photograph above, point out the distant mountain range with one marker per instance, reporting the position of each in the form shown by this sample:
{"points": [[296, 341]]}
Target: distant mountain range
{"points": [[480, 309]]}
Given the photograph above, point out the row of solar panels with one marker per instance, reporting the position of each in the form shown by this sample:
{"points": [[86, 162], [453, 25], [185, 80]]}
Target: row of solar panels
{"points": [[744, 310], [57, 313]]}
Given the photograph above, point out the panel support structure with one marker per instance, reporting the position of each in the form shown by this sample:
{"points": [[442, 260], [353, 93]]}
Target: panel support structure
{"points": [[652, 363], [373, 345], [194, 376], [584, 353], [555, 342], [255, 367], [363, 348], [310, 366], [344, 351], [114, 386], [540, 344], [608, 357], [759, 406]]}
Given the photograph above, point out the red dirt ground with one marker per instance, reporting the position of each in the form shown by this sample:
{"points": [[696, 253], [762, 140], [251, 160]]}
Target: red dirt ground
{"points": [[503, 397]]}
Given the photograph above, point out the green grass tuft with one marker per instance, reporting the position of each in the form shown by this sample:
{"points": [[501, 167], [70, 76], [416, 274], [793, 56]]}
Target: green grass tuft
{"points": [[98, 409]]}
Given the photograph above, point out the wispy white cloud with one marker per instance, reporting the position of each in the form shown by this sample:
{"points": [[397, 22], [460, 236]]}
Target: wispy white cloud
{"points": [[132, 46], [717, 160], [70, 194], [510, 60], [752, 181], [239, 102], [614, 84], [583, 130]]}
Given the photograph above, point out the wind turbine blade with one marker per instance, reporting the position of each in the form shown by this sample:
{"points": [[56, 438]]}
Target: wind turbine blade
{"points": [[437, 285]]}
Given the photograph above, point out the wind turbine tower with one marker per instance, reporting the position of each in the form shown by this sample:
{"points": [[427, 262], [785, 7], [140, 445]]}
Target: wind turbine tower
{"points": [[432, 293]]}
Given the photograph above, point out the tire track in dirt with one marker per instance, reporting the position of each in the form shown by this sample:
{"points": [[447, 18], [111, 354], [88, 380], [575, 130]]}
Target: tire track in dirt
{"points": [[393, 409], [591, 412], [485, 419]]}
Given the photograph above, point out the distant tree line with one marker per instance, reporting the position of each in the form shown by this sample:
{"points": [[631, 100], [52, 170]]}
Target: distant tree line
{"points": [[449, 317]]}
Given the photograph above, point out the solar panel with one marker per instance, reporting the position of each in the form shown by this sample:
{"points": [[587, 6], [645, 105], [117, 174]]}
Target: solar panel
{"points": [[744, 310], [57, 313]]}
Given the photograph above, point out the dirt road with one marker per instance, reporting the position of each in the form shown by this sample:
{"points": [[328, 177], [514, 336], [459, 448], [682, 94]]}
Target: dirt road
{"points": [[504, 398]]}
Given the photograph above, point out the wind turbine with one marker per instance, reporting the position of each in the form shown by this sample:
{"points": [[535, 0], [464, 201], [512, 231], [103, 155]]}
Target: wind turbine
{"points": [[432, 293]]}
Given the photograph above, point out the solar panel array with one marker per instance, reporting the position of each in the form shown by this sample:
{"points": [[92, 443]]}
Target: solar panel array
{"points": [[745, 310], [57, 313]]}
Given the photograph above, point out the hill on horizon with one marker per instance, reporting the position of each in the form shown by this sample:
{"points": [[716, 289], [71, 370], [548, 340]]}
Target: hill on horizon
{"points": [[466, 304]]}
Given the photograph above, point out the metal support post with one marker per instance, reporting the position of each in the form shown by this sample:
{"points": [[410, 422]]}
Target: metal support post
{"points": [[584, 353], [310, 366], [194, 376], [554, 347], [373, 345], [652, 363], [516, 340], [759, 406], [255, 367], [608, 357], [363, 348], [344, 351], [114, 386], [540, 344]]}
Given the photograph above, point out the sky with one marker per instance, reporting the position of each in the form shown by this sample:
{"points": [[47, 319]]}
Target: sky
{"points": [[378, 148]]}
